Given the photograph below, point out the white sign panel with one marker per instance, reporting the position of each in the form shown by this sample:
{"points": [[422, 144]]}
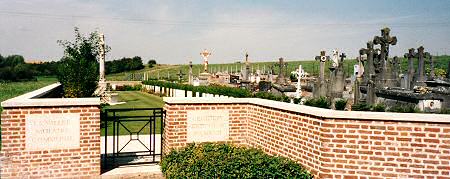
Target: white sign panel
{"points": [[52, 131], [207, 126]]}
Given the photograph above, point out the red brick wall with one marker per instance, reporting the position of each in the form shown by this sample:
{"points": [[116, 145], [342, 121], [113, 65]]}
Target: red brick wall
{"points": [[330, 148], [175, 126], [17, 162]]}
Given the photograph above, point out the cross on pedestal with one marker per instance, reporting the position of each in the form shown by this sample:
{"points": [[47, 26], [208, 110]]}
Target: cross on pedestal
{"points": [[282, 66], [384, 41], [205, 54], [369, 67], [421, 55]]}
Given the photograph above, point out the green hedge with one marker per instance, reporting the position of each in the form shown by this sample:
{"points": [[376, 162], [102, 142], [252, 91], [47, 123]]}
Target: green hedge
{"points": [[227, 161], [218, 90]]}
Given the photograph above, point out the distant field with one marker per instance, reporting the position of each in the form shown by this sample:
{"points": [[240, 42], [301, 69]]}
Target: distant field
{"points": [[136, 99], [312, 67], [13, 89]]}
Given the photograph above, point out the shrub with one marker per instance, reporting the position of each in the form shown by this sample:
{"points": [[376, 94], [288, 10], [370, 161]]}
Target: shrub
{"points": [[361, 107], [226, 161], [320, 102], [340, 104], [78, 71], [151, 63], [379, 108], [405, 108]]}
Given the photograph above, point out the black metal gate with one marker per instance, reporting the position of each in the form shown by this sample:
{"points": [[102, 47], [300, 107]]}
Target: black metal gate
{"points": [[132, 136]]}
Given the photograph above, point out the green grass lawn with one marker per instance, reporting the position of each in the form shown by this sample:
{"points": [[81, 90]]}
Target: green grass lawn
{"points": [[13, 89], [135, 99]]}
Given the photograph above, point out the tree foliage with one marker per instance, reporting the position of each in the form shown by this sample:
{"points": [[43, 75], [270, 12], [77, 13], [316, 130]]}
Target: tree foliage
{"points": [[124, 64], [151, 63], [13, 68], [78, 71]]}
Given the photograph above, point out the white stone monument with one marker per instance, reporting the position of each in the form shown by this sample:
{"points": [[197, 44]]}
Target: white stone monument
{"points": [[335, 58], [300, 74]]}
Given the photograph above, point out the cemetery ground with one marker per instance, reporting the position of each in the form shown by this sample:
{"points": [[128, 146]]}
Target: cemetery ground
{"points": [[135, 99]]}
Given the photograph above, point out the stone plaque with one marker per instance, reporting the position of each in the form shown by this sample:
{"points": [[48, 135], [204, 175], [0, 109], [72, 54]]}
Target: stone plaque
{"points": [[207, 125], [52, 131]]}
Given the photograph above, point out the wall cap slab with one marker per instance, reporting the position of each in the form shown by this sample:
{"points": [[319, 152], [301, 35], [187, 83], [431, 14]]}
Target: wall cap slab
{"points": [[314, 111], [32, 99]]}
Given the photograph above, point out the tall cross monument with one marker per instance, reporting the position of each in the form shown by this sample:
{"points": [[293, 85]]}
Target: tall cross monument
{"points": [[384, 41], [102, 78]]}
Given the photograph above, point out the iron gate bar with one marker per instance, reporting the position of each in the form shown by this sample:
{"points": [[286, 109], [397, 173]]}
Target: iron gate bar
{"points": [[117, 121]]}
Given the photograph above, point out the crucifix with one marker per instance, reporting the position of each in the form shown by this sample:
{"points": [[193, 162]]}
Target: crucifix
{"points": [[205, 54], [300, 74], [384, 41], [322, 58]]}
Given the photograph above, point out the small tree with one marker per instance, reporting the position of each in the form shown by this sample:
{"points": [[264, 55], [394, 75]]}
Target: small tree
{"points": [[78, 71], [151, 63]]}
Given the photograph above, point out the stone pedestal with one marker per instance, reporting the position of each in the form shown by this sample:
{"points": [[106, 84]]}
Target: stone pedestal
{"points": [[204, 78]]}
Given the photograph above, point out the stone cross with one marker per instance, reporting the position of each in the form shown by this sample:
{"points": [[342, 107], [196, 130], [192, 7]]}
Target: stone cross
{"points": [[205, 54], [432, 74], [300, 74], [322, 58], [421, 54], [102, 58], [410, 55], [369, 67], [396, 69], [384, 41], [191, 77], [282, 66]]}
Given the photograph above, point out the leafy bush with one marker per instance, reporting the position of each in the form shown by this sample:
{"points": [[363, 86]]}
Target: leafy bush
{"points": [[320, 102], [361, 107], [340, 104], [151, 63], [129, 88], [227, 161], [405, 108], [379, 108], [78, 71]]}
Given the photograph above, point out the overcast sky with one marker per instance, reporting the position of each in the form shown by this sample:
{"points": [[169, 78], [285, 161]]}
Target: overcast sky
{"points": [[176, 31]]}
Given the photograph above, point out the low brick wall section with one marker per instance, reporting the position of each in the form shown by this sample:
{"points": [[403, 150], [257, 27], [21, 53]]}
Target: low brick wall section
{"points": [[328, 143], [50, 137]]}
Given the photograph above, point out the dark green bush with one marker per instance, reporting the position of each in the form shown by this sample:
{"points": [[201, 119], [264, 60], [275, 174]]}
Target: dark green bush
{"points": [[361, 107], [320, 102], [340, 104], [405, 108], [227, 161], [379, 108], [129, 88]]}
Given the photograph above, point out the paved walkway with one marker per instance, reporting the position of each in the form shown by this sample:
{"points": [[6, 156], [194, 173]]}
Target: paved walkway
{"points": [[134, 171]]}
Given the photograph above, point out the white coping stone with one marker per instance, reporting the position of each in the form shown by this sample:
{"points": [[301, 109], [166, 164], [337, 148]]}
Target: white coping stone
{"points": [[319, 112], [32, 99]]}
